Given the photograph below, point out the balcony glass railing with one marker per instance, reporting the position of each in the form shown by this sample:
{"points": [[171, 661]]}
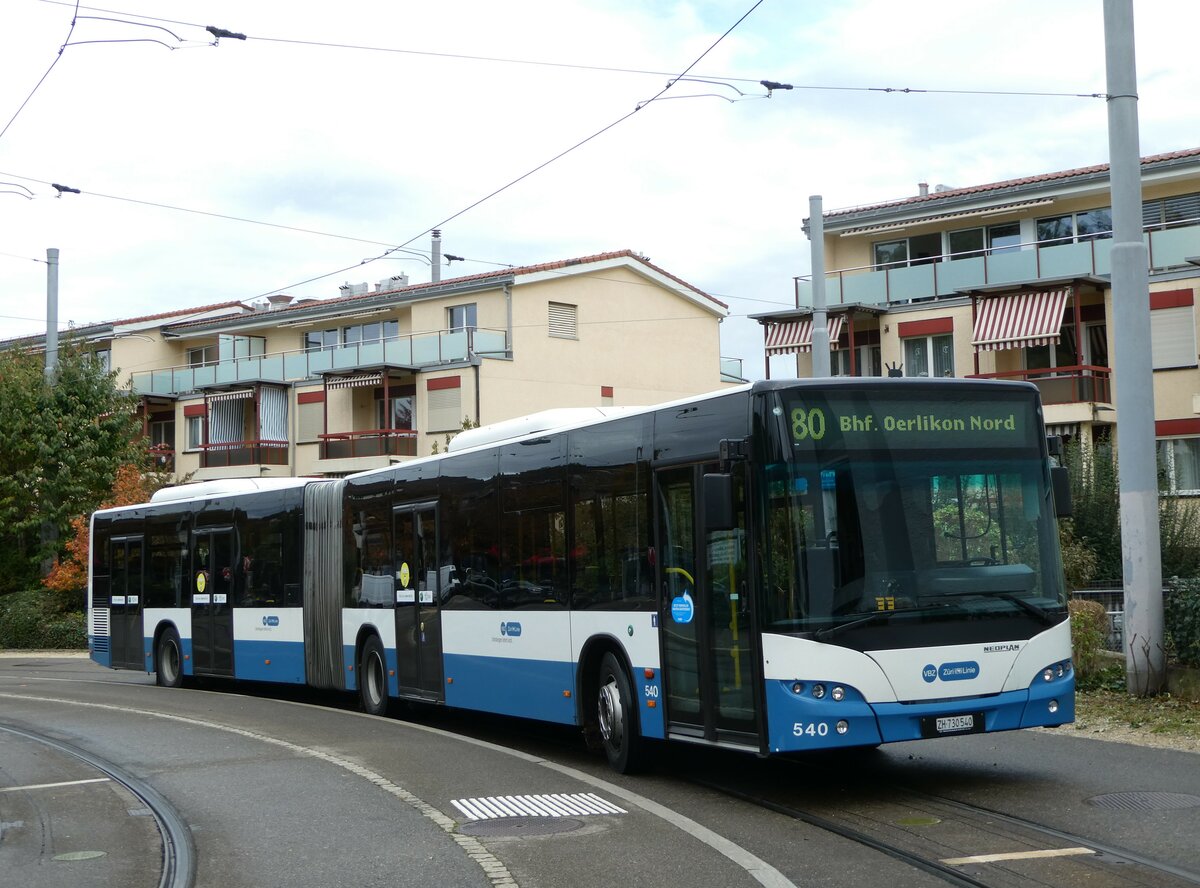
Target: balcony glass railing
{"points": [[949, 274], [731, 370], [244, 453], [421, 350]]}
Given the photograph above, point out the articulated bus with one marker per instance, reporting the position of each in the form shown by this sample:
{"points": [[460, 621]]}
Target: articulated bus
{"points": [[780, 567]]}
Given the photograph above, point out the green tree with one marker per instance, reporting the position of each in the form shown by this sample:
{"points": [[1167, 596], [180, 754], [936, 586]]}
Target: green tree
{"points": [[61, 443]]}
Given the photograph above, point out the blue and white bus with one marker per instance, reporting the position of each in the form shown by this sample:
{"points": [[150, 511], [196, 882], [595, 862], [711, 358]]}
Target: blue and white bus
{"points": [[781, 567]]}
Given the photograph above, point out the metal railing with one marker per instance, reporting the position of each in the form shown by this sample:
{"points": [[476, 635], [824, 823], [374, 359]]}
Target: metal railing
{"points": [[1063, 385], [244, 453], [952, 273], [369, 442]]}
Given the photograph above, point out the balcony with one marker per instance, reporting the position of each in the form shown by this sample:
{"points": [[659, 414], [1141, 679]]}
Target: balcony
{"points": [[418, 350], [1064, 385], [162, 457], [1018, 265], [371, 442], [244, 453], [731, 370]]}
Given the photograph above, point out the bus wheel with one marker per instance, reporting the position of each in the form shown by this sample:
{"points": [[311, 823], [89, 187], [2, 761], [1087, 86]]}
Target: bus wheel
{"points": [[617, 717], [372, 678], [168, 662]]}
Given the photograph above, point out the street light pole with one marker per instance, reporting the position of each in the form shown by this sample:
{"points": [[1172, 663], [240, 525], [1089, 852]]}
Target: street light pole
{"points": [[51, 312], [1134, 376], [820, 328]]}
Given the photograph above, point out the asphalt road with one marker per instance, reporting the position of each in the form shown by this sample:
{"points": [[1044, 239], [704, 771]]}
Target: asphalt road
{"points": [[278, 791]]}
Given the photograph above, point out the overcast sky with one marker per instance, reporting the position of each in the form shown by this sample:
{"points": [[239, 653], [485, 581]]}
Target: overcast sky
{"points": [[381, 146]]}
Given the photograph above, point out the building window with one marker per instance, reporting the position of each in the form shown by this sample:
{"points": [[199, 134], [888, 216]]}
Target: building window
{"points": [[867, 361], [563, 320], [202, 356], [1172, 337], [1171, 212], [1075, 227], [1004, 238], [372, 332], [929, 355], [1055, 354], [968, 242], [195, 432], [401, 409], [460, 317], [310, 419], [1179, 459], [917, 250], [103, 357], [320, 340], [162, 433]]}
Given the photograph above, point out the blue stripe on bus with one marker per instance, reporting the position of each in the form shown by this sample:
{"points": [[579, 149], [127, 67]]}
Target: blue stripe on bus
{"points": [[350, 666], [278, 661], [650, 691], [101, 652], [798, 722], [507, 686]]}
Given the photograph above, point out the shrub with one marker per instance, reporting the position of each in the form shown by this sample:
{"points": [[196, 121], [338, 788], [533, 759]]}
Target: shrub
{"points": [[29, 620], [1181, 619], [1089, 629]]}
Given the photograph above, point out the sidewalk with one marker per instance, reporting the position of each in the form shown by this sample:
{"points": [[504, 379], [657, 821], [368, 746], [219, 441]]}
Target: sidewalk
{"points": [[42, 655]]}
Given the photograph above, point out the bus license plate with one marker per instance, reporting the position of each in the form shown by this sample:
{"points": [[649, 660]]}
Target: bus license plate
{"points": [[954, 723]]}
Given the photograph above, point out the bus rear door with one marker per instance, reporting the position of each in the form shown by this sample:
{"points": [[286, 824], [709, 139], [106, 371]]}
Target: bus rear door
{"points": [[125, 603], [709, 654], [212, 601], [418, 619]]}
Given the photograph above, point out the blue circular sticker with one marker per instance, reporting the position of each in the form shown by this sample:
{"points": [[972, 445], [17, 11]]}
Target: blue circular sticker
{"points": [[929, 673], [683, 608]]}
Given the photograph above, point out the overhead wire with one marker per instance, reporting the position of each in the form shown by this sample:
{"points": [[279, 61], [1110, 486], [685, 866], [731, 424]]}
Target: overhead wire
{"points": [[37, 86]]}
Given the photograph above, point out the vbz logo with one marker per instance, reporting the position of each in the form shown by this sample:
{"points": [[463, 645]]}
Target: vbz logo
{"points": [[512, 629], [929, 673], [270, 621]]}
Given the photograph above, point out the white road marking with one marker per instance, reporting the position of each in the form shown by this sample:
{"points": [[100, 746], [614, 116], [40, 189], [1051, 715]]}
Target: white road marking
{"points": [[579, 804], [1017, 855], [54, 785]]}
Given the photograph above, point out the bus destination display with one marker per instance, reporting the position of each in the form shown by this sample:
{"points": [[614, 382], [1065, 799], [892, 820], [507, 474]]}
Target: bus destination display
{"points": [[865, 423]]}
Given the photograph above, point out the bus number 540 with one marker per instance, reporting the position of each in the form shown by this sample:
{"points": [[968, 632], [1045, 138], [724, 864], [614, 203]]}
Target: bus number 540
{"points": [[812, 729]]}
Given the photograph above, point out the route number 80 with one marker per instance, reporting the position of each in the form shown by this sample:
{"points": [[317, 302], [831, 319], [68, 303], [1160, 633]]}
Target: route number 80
{"points": [[808, 424]]}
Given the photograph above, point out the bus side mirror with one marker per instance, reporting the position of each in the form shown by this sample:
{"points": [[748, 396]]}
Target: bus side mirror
{"points": [[1060, 484], [718, 502]]}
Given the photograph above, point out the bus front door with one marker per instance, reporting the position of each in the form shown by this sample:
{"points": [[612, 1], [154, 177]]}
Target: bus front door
{"points": [[125, 603], [418, 619], [709, 654], [212, 602]]}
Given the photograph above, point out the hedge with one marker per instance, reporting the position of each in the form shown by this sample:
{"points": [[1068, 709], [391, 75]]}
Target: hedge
{"points": [[28, 621]]}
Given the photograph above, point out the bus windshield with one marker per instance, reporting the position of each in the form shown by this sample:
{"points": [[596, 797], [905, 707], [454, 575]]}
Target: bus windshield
{"points": [[932, 518]]}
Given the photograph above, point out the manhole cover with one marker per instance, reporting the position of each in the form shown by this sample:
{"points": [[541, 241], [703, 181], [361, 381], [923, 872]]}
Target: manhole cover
{"points": [[1145, 801], [515, 827]]}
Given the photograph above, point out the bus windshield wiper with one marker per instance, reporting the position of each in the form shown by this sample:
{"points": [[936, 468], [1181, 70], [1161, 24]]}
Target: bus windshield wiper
{"points": [[833, 631], [1029, 607]]}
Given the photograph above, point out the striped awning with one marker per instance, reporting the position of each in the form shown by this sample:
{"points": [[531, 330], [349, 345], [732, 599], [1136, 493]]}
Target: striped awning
{"points": [[239, 395], [1019, 320], [787, 337], [362, 379]]}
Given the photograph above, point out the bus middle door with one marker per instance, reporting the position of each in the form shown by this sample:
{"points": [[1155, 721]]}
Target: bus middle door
{"points": [[212, 601], [418, 618], [125, 603]]}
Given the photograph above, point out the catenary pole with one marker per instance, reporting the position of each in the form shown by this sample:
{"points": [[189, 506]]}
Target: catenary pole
{"points": [[1134, 375], [820, 330], [51, 312]]}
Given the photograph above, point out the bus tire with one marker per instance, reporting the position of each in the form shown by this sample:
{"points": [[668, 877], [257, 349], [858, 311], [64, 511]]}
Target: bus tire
{"points": [[616, 714], [168, 660], [372, 678]]}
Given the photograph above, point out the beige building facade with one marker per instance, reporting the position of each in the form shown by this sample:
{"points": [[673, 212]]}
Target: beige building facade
{"points": [[1011, 280], [387, 372]]}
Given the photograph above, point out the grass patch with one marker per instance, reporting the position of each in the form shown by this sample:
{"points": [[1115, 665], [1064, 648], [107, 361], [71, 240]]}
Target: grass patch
{"points": [[1102, 702]]}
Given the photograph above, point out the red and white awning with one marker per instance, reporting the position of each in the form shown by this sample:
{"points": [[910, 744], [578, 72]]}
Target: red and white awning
{"points": [[1019, 320], [787, 337]]}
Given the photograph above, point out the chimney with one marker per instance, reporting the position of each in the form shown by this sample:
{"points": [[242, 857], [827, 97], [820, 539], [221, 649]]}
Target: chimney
{"points": [[279, 300], [923, 187], [435, 257]]}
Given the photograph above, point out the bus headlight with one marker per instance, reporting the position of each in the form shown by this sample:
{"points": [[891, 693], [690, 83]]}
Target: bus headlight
{"points": [[818, 691], [1053, 705], [838, 694], [842, 727], [1048, 674], [797, 687]]}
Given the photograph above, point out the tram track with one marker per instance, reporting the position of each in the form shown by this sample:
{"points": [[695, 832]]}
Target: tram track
{"points": [[1040, 855], [178, 868]]}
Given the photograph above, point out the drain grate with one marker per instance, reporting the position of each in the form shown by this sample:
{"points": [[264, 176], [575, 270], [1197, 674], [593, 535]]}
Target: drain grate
{"points": [[515, 827], [579, 804], [1145, 801]]}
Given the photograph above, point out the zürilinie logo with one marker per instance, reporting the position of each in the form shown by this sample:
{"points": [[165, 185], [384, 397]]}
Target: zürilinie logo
{"points": [[511, 629]]}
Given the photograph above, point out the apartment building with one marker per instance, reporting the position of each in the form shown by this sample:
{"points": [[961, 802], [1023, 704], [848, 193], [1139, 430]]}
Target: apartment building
{"points": [[1011, 280], [384, 372]]}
